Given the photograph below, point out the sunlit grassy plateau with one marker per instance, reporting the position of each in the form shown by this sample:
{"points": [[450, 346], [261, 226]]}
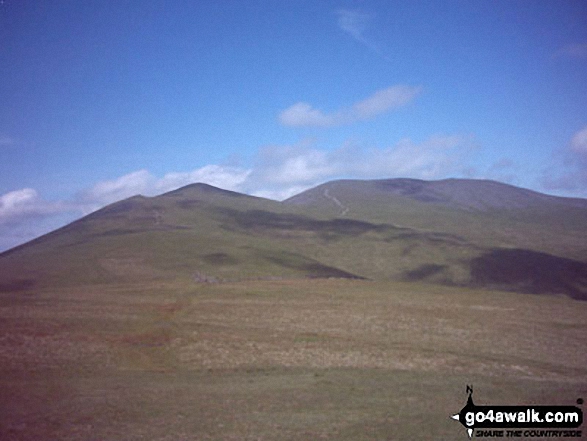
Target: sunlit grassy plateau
{"points": [[356, 310]]}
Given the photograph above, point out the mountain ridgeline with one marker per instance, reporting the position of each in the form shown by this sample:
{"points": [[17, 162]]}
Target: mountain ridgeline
{"points": [[481, 234]]}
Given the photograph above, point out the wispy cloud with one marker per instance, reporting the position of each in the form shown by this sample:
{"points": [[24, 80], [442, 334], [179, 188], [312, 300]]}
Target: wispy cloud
{"points": [[356, 23], [504, 170], [579, 142], [304, 115], [569, 169]]}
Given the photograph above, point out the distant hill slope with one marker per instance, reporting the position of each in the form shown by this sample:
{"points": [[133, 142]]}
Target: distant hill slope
{"points": [[469, 194], [460, 232], [488, 213]]}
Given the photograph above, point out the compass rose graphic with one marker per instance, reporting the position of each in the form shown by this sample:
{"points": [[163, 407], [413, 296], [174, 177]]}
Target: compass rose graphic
{"points": [[469, 407]]}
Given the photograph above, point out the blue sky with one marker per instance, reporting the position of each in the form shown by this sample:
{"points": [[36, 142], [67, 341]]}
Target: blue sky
{"points": [[101, 100]]}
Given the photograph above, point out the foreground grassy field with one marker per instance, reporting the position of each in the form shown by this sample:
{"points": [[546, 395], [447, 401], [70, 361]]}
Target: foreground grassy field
{"points": [[278, 360]]}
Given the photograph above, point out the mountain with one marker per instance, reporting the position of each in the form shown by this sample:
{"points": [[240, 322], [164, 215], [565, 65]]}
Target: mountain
{"points": [[456, 193], [487, 213], [452, 232]]}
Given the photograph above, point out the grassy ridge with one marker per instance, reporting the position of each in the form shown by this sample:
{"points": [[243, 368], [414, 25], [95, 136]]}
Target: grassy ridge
{"points": [[450, 233]]}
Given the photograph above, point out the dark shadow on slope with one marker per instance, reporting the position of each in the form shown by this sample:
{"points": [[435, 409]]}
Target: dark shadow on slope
{"points": [[220, 259], [309, 267], [263, 221], [431, 237], [17, 285], [411, 188], [530, 272], [423, 272]]}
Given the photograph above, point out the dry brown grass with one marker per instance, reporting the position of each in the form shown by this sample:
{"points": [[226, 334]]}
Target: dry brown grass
{"points": [[298, 359]]}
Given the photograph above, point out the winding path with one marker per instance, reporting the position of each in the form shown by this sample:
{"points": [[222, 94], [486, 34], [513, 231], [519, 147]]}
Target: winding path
{"points": [[343, 209]]}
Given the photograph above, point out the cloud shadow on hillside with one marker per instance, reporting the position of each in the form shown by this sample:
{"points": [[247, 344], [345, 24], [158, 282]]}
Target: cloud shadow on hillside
{"points": [[530, 272]]}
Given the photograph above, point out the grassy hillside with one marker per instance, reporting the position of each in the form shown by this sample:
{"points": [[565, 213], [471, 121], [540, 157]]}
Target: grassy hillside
{"points": [[185, 234], [278, 360], [488, 213], [354, 311], [458, 233]]}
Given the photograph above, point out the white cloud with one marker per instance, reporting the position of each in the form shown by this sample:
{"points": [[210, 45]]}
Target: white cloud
{"points": [[24, 214], [17, 198], [227, 178], [105, 192], [385, 100], [437, 157], [304, 115], [25, 203], [285, 170], [142, 182], [382, 101], [281, 194], [579, 141], [292, 165]]}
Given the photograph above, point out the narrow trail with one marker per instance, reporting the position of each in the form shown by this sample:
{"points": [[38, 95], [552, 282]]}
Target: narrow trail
{"points": [[343, 209], [158, 217]]}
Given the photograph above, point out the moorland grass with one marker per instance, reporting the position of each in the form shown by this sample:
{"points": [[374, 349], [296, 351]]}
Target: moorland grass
{"points": [[278, 360]]}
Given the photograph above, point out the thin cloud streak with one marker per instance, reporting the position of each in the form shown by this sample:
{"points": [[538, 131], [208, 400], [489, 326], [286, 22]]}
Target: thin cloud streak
{"points": [[382, 101], [355, 23]]}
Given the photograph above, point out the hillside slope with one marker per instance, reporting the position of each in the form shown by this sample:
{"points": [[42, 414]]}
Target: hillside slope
{"points": [[488, 213], [453, 232]]}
